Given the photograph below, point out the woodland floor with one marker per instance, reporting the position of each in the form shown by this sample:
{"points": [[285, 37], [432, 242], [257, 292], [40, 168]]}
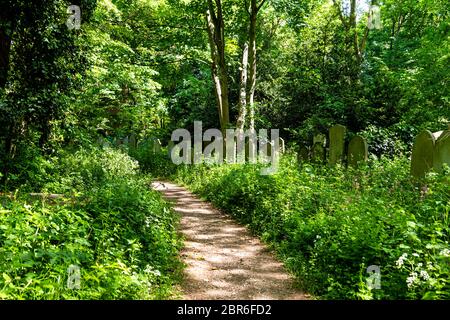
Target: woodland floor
{"points": [[223, 260]]}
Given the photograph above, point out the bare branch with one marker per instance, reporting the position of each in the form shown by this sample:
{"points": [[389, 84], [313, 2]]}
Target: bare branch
{"points": [[341, 15], [260, 5], [247, 7]]}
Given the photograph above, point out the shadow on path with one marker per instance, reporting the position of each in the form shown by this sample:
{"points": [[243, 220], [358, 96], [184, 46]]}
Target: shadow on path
{"points": [[224, 261]]}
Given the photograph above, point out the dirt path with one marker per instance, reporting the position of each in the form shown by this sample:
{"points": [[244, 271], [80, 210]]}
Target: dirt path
{"points": [[224, 261]]}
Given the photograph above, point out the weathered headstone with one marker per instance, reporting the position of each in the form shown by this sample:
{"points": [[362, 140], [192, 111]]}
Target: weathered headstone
{"points": [[318, 149], [282, 147], [170, 147], [303, 154], [156, 146], [125, 140], [441, 153], [271, 144], [337, 144], [357, 151], [132, 142], [422, 154], [192, 153], [251, 154], [102, 142]]}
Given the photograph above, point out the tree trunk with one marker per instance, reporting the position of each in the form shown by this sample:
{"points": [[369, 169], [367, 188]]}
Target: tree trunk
{"points": [[215, 28], [5, 47], [243, 90], [252, 64]]}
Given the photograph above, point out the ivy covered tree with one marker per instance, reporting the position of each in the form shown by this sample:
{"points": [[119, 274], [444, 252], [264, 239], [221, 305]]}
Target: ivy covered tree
{"points": [[40, 65]]}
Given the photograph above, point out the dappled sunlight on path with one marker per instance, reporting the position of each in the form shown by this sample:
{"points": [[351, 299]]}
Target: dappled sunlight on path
{"points": [[224, 261]]}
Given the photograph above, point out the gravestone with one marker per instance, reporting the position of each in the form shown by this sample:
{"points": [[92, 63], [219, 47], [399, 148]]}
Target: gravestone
{"points": [[357, 151], [422, 154], [132, 142], [441, 153], [318, 149], [170, 147], [269, 148], [303, 154], [156, 146], [271, 144], [337, 144], [251, 153], [282, 147]]}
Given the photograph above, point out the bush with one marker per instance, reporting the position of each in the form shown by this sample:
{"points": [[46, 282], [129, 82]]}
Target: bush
{"points": [[119, 233], [330, 224], [158, 164]]}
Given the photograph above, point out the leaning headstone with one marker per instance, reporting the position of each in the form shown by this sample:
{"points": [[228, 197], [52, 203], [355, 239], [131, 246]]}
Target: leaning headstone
{"points": [[422, 154], [337, 143], [318, 149], [357, 151], [441, 153]]}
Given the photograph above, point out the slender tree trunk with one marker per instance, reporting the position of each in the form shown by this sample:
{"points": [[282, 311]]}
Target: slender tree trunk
{"points": [[215, 28], [350, 25], [243, 90], [252, 64]]}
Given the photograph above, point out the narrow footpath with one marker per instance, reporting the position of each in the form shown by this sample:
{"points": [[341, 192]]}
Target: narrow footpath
{"points": [[224, 261]]}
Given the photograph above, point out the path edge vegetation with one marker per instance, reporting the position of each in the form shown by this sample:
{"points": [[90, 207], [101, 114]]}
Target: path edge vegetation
{"points": [[329, 224], [121, 234]]}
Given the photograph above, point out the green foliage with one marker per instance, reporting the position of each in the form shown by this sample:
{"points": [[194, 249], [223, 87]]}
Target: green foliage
{"points": [[143, 67], [120, 234], [157, 164], [330, 224]]}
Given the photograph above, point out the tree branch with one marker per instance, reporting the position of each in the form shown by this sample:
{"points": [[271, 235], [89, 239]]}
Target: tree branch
{"points": [[247, 7], [341, 16], [261, 4]]}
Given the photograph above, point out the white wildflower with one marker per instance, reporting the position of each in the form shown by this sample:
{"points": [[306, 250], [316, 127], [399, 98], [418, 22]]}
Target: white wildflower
{"points": [[425, 276], [445, 253], [411, 279], [415, 254], [401, 260]]}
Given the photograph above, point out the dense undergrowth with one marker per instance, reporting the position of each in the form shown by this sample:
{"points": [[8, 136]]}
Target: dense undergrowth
{"points": [[330, 224], [120, 234]]}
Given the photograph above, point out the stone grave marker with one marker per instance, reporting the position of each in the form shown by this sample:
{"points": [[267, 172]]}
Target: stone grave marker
{"points": [[282, 146], [357, 151], [156, 146], [303, 154], [422, 154], [170, 147], [337, 144], [318, 149], [441, 152], [132, 142]]}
